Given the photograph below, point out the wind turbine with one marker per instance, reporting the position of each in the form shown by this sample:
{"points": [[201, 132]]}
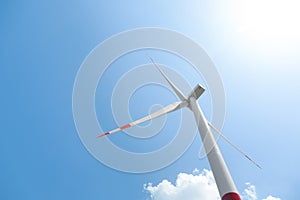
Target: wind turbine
{"points": [[224, 181]]}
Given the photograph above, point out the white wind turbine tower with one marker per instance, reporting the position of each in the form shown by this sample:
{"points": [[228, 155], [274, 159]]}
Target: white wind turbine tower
{"points": [[224, 181]]}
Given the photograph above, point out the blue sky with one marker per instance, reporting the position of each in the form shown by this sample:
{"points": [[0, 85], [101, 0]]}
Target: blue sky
{"points": [[255, 47]]}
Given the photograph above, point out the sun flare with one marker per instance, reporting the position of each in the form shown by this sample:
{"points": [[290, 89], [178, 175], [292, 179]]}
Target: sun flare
{"points": [[269, 21]]}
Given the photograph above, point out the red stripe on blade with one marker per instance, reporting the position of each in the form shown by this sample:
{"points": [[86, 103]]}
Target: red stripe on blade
{"points": [[126, 126], [103, 135], [231, 196]]}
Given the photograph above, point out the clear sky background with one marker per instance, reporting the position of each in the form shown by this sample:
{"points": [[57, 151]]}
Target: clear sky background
{"points": [[255, 46]]}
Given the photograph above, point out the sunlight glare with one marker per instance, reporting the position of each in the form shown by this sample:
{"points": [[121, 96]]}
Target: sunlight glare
{"points": [[268, 21]]}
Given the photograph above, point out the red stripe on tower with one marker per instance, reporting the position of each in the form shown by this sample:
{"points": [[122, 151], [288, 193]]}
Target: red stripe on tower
{"points": [[126, 126], [231, 196]]}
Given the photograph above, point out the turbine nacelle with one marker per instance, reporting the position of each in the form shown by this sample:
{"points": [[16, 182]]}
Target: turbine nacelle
{"points": [[197, 92]]}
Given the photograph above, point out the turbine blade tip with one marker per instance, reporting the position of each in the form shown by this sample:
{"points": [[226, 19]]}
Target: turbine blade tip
{"points": [[105, 134]]}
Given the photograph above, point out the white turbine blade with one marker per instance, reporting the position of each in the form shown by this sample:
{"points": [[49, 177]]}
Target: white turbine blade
{"points": [[233, 145], [170, 108], [176, 90]]}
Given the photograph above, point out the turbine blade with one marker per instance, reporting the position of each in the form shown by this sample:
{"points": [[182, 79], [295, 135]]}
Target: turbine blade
{"points": [[170, 108], [233, 145], [176, 90]]}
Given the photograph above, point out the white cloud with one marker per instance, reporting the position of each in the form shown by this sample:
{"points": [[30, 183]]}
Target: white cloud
{"points": [[199, 185], [249, 193], [187, 186], [271, 198]]}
